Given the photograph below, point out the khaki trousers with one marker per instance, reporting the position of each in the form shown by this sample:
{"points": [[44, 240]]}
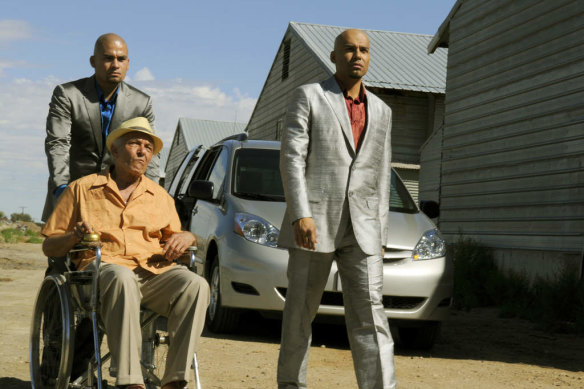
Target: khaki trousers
{"points": [[179, 294], [367, 326]]}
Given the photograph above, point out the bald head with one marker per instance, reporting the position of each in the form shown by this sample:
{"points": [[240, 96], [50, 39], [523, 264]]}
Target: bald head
{"points": [[109, 38], [351, 56], [341, 39]]}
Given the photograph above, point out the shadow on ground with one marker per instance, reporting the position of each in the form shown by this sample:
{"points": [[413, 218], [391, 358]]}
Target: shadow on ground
{"points": [[14, 383], [477, 335]]}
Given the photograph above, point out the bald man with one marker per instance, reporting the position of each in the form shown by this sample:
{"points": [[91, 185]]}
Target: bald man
{"points": [[335, 166], [82, 112]]}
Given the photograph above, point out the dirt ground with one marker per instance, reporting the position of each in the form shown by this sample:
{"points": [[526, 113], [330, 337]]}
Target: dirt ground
{"points": [[476, 350]]}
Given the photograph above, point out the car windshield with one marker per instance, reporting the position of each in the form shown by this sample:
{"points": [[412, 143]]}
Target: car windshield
{"points": [[400, 199], [257, 175]]}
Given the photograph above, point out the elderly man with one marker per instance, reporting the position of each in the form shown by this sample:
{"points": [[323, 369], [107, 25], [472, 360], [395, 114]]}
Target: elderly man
{"points": [[335, 165], [141, 236], [81, 114]]}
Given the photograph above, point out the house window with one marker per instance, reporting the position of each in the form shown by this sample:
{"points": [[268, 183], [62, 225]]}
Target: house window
{"points": [[286, 59]]}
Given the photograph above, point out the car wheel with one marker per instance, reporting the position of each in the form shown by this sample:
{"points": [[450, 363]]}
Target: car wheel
{"points": [[219, 318], [420, 338]]}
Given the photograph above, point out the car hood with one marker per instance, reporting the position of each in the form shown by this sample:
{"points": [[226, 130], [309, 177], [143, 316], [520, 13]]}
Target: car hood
{"points": [[406, 229], [272, 211]]}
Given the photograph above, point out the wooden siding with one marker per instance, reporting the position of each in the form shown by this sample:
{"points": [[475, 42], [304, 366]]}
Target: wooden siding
{"points": [[273, 102], [178, 150], [513, 145], [430, 163]]}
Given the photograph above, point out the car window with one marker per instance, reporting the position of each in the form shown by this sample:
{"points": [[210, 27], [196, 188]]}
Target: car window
{"points": [[204, 168], [256, 175], [399, 198], [185, 178], [217, 174]]}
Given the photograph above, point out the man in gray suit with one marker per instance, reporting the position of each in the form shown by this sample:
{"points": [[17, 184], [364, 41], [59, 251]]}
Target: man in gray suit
{"points": [[82, 112], [335, 165]]}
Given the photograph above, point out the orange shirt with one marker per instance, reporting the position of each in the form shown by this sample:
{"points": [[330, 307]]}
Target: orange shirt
{"points": [[130, 233]]}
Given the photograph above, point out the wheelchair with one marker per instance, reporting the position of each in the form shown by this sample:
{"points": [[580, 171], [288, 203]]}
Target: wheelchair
{"points": [[63, 302]]}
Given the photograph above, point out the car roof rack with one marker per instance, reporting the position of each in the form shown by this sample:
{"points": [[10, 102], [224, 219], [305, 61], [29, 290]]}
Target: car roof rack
{"points": [[242, 137]]}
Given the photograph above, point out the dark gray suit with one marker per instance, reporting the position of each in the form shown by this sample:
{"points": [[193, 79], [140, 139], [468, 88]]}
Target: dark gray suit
{"points": [[346, 192], [74, 144]]}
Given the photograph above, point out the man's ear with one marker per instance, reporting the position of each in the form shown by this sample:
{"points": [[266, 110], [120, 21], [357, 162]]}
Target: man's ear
{"points": [[92, 61], [333, 57]]}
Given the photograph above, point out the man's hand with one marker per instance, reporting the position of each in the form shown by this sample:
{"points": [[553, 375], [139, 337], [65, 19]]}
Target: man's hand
{"points": [[305, 233], [82, 228], [177, 244]]}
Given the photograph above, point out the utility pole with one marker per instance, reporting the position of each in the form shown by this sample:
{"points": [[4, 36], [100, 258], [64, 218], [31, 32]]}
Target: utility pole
{"points": [[22, 210]]}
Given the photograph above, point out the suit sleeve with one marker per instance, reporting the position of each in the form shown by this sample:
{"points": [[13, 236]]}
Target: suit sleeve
{"points": [[385, 183], [295, 145], [58, 140], [153, 171]]}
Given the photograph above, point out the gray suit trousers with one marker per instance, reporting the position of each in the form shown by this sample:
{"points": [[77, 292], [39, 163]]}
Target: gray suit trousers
{"points": [[178, 294], [367, 326]]}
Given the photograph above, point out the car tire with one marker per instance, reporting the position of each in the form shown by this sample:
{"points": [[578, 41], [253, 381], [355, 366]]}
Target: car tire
{"points": [[219, 318], [419, 338]]}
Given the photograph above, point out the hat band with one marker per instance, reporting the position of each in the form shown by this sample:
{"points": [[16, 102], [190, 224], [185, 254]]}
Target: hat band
{"points": [[139, 128]]}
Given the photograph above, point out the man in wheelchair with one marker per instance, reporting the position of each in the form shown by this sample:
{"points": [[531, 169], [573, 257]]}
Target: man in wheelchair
{"points": [[140, 234]]}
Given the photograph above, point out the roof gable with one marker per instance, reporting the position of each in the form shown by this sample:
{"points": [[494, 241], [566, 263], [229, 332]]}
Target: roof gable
{"points": [[206, 132]]}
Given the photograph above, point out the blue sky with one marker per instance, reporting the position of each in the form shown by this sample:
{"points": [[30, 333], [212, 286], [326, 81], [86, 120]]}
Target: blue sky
{"points": [[199, 59]]}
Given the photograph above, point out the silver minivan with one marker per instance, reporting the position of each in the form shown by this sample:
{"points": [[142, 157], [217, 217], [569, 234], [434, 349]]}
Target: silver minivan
{"points": [[231, 197]]}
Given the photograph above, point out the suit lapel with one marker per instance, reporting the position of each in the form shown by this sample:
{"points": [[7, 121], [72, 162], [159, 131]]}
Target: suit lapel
{"points": [[120, 113], [92, 105], [334, 96], [368, 119]]}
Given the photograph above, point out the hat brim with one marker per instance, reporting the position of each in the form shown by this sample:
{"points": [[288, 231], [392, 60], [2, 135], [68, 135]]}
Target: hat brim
{"points": [[119, 132]]}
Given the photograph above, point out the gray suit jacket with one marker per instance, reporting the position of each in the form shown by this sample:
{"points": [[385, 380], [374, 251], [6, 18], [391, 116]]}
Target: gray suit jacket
{"points": [[324, 176], [74, 143]]}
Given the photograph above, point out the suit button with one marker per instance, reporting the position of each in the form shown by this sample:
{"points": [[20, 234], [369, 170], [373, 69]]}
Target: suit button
{"points": [[350, 194]]}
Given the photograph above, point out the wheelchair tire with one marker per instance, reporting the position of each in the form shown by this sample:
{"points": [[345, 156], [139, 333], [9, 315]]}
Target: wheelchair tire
{"points": [[52, 335]]}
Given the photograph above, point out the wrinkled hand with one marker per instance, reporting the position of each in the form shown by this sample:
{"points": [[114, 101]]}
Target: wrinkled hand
{"points": [[177, 244], [81, 228], [305, 233]]}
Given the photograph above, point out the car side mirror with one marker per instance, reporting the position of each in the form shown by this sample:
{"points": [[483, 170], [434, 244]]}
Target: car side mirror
{"points": [[430, 208], [201, 190]]}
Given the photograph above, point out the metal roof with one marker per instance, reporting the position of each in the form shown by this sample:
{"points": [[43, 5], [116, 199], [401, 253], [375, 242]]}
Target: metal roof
{"points": [[207, 132], [398, 60]]}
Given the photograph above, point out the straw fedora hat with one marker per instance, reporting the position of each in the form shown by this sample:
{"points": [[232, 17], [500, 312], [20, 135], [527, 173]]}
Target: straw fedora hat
{"points": [[137, 124]]}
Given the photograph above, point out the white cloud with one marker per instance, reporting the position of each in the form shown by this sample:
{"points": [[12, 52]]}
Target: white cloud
{"points": [[23, 112], [13, 30], [6, 64], [177, 98], [143, 74]]}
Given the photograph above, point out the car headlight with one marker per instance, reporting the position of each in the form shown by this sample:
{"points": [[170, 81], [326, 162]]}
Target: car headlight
{"points": [[430, 246], [256, 229]]}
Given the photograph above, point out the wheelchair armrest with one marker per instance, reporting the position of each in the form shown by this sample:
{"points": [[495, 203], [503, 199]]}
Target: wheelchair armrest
{"points": [[189, 258]]}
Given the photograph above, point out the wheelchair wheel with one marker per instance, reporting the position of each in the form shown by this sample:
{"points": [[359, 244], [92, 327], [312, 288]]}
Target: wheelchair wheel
{"points": [[51, 336]]}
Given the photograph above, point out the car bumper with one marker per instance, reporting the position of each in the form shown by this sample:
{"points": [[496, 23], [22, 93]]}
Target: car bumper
{"points": [[254, 277]]}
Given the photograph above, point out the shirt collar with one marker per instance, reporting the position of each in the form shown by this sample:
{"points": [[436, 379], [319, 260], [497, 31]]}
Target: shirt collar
{"points": [[102, 96], [362, 92], [104, 179]]}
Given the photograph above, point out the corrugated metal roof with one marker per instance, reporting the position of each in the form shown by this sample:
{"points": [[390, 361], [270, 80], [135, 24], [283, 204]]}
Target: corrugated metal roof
{"points": [[398, 60], [207, 132]]}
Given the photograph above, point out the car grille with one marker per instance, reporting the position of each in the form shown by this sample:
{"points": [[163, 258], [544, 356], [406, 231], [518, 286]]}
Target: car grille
{"points": [[390, 302]]}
